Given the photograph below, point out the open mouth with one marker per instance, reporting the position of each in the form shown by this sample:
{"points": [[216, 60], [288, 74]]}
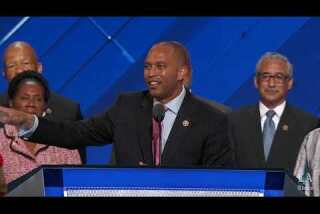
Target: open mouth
{"points": [[153, 84]]}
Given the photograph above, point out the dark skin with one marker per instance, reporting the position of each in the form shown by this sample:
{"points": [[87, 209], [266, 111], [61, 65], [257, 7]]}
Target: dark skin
{"points": [[29, 99], [20, 57], [164, 73]]}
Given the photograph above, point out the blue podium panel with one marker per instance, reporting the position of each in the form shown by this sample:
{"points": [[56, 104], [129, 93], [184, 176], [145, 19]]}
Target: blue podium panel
{"points": [[64, 181]]}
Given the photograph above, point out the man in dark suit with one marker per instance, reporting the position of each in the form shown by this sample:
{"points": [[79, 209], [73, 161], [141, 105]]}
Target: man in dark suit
{"points": [[250, 127], [187, 80], [19, 57], [193, 133]]}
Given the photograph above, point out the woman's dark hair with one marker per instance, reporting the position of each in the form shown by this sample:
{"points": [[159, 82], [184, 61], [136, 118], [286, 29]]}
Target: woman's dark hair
{"points": [[28, 76]]}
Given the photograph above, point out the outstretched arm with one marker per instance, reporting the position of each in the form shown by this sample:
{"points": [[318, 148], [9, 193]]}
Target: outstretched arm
{"points": [[68, 134], [23, 121]]}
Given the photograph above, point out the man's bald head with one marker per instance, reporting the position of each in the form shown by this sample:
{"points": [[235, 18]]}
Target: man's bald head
{"points": [[180, 52], [182, 56], [19, 57]]}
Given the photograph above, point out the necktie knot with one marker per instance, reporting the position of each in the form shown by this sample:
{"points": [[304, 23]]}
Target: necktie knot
{"points": [[270, 114]]}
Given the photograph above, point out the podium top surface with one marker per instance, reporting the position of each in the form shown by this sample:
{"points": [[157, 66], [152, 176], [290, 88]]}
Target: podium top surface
{"points": [[58, 179]]}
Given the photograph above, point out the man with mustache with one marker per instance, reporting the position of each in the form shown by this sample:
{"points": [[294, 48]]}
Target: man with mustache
{"points": [[269, 134], [192, 132]]}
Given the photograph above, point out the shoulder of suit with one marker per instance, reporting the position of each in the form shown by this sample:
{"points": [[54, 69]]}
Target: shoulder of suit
{"points": [[244, 110], [133, 98], [203, 107], [61, 100], [133, 95], [216, 105], [299, 113], [3, 99]]}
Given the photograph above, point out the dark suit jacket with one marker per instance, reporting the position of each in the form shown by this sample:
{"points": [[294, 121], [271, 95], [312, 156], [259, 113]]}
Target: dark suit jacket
{"points": [[246, 137], [214, 104], [59, 108], [204, 142]]}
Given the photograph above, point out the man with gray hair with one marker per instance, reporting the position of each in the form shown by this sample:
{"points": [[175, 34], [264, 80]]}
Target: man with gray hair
{"points": [[269, 133]]}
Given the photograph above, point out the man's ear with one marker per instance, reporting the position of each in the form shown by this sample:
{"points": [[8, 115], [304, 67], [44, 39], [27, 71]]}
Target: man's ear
{"points": [[182, 73], [39, 67], [290, 83], [255, 80]]}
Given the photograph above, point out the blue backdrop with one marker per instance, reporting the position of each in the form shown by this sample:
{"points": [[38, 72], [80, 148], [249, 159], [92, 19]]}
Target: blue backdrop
{"points": [[93, 59]]}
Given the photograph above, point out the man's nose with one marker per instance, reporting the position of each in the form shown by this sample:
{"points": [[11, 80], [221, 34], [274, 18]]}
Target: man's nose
{"points": [[19, 69], [153, 71], [271, 81], [31, 103]]}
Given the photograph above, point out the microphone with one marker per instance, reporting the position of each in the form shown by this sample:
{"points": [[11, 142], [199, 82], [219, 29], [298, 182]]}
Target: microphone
{"points": [[158, 112], [49, 110]]}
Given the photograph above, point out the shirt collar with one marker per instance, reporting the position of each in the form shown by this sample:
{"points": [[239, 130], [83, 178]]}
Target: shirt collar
{"points": [[279, 109], [174, 104]]}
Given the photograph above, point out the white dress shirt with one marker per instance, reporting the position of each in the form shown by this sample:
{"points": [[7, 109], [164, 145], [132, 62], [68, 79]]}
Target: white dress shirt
{"points": [[276, 118], [172, 109]]}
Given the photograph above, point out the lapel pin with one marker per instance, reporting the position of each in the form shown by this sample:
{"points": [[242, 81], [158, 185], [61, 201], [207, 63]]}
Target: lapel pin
{"points": [[285, 127], [185, 123]]}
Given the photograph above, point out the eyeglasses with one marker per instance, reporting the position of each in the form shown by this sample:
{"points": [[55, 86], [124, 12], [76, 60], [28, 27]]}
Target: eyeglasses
{"points": [[278, 78]]}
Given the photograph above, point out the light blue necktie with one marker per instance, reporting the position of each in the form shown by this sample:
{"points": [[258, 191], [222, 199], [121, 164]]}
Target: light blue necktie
{"points": [[268, 132]]}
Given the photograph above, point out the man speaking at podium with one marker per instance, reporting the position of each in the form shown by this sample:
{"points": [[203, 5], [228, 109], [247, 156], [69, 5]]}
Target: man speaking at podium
{"points": [[164, 126]]}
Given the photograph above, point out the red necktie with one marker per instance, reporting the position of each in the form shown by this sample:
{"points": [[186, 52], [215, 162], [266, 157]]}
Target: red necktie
{"points": [[156, 142]]}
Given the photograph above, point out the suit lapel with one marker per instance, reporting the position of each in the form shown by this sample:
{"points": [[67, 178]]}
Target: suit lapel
{"points": [[4, 100], [179, 130], [145, 128], [256, 136], [286, 124]]}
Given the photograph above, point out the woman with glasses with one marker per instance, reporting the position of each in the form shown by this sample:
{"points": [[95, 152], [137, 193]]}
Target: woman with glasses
{"points": [[29, 92]]}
